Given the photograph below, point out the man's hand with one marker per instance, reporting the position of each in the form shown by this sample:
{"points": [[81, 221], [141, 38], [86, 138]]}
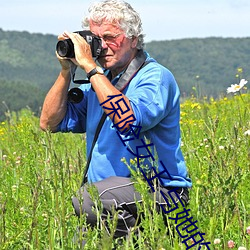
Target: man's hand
{"points": [[66, 63], [83, 54]]}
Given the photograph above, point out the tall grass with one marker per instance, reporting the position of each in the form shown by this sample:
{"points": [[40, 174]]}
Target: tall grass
{"points": [[40, 172]]}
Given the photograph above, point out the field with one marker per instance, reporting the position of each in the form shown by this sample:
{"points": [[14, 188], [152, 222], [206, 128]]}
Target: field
{"points": [[40, 172]]}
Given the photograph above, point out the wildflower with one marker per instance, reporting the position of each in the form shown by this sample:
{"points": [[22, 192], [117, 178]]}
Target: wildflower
{"points": [[14, 188], [248, 230], [242, 248], [237, 87], [192, 241], [230, 244], [247, 133], [216, 241], [240, 70], [195, 106], [221, 147], [198, 182], [45, 216], [22, 210], [132, 162]]}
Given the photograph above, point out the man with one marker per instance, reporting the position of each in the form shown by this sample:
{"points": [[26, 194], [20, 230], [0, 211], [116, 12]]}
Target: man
{"points": [[141, 100]]}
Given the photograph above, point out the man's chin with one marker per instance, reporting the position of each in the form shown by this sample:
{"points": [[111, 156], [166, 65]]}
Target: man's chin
{"points": [[105, 63]]}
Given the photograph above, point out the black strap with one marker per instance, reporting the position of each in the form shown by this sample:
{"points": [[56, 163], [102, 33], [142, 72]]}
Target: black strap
{"points": [[136, 64], [97, 132]]}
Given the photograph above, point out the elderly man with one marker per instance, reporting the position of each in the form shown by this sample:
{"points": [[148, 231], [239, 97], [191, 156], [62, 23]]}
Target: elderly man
{"points": [[140, 100]]}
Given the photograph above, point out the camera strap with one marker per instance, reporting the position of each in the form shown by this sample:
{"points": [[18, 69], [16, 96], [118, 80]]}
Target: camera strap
{"points": [[136, 64]]}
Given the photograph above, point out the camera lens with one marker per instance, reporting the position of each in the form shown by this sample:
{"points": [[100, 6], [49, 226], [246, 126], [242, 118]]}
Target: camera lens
{"points": [[65, 48], [75, 95]]}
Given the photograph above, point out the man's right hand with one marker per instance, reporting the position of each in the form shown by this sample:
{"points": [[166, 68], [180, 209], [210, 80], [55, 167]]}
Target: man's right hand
{"points": [[66, 63]]}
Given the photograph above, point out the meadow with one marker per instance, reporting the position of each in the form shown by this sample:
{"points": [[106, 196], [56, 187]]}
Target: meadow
{"points": [[40, 172]]}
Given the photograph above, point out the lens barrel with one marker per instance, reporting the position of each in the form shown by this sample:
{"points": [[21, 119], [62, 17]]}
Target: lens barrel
{"points": [[65, 48], [75, 95]]}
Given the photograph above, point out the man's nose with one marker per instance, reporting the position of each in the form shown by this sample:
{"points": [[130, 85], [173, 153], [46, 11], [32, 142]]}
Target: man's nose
{"points": [[104, 44]]}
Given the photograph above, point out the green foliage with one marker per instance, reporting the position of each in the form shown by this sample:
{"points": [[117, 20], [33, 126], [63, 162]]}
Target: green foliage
{"points": [[14, 95], [36, 184], [28, 58], [40, 172]]}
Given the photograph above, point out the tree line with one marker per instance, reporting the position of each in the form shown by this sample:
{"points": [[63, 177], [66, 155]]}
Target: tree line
{"points": [[202, 67]]}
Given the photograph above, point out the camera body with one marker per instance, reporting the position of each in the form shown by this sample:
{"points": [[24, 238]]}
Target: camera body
{"points": [[65, 48]]}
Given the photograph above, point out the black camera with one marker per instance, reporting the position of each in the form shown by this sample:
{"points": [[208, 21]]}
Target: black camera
{"points": [[65, 48]]}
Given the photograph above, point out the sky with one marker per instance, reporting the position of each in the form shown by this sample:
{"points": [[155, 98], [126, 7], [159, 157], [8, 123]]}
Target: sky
{"points": [[162, 19]]}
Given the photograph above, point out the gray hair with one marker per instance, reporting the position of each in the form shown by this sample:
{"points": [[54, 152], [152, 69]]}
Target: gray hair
{"points": [[120, 13]]}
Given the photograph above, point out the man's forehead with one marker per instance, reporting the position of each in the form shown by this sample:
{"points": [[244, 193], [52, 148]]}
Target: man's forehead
{"points": [[104, 25]]}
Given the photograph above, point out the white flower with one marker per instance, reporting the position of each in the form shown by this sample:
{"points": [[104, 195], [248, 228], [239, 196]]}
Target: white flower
{"points": [[22, 210], [242, 248], [216, 241], [221, 147], [246, 133], [237, 87]]}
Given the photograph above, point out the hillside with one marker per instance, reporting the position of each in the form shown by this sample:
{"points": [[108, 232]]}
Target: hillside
{"points": [[28, 66], [211, 63]]}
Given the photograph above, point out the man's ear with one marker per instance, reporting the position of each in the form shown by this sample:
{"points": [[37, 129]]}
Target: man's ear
{"points": [[134, 42]]}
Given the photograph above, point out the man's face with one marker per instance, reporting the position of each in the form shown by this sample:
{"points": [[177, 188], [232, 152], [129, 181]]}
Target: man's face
{"points": [[118, 50]]}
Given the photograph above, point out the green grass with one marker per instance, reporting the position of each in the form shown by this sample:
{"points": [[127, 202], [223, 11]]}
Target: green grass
{"points": [[40, 172]]}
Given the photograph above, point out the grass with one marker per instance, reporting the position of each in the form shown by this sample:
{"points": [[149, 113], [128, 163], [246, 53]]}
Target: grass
{"points": [[40, 172]]}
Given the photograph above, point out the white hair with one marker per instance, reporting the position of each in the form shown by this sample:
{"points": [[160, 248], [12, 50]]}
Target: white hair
{"points": [[120, 13]]}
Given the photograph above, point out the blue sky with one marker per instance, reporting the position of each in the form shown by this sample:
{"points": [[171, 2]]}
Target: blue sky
{"points": [[162, 19]]}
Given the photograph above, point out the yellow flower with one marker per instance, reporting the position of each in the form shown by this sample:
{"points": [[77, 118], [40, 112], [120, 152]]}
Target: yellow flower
{"points": [[195, 105], [240, 70]]}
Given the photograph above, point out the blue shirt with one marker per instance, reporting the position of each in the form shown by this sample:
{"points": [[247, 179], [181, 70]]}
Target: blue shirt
{"points": [[154, 97]]}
